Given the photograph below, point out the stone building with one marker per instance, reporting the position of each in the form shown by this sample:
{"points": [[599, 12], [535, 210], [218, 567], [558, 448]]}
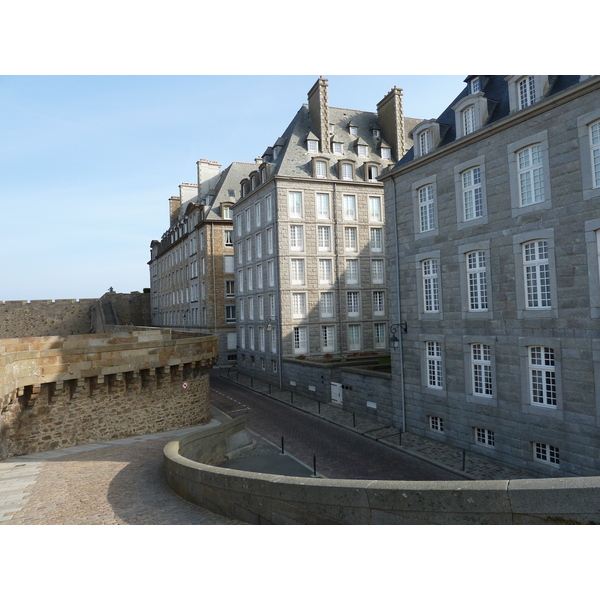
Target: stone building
{"points": [[494, 273], [192, 266], [309, 236]]}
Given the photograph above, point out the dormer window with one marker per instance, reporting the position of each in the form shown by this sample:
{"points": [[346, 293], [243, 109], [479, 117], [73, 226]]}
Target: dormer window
{"points": [[320, 168], [362, 150], [226, 211], [371, 172], [244, 187], [338, 148], [386, 153], [376, 133], [471, 114], [475, 85], [346, 171], [313, 145], [525, 90], [426, 137], [353, 129]]}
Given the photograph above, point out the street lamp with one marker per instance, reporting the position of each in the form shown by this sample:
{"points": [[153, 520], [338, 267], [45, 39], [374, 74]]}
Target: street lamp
{"points": [[394, 341]]}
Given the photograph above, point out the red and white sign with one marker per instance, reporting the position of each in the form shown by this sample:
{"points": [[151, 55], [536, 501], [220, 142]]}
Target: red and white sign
{"points": [[184, 385]]}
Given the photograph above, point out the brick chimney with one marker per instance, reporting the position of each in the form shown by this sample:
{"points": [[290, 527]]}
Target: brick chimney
{"points": [[174, 206], [391, 119], [318, 109]]}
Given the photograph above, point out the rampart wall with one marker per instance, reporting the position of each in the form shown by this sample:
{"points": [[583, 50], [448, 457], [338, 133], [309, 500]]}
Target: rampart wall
{"points": [[58, 391], [261, 498], [22, 318]]}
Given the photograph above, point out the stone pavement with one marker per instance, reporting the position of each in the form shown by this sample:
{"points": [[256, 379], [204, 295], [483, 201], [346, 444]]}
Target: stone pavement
{"points": [[476, 466], [117, 482]]}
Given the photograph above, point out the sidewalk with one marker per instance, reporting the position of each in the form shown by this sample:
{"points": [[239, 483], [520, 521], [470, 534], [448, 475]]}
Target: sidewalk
{"points": [[467, 464]]}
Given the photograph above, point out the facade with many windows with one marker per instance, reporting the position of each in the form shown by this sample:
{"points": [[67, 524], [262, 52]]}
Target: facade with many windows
{"points": [[309, 238], [192, 277], [493, 242]]}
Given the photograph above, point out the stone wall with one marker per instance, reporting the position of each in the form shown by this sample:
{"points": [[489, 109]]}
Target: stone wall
{"points": [[22, 318], [261, 498], [62, 391]]}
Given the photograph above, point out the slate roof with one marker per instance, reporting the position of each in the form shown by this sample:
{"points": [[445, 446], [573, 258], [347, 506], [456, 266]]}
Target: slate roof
{"points": [[495, 89]]}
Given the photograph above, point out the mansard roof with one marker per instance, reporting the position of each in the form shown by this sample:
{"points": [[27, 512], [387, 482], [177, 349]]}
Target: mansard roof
{"points": [[495, 90]]}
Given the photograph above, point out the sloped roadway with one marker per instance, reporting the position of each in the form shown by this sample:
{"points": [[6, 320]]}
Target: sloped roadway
{"points": [[339, 452]]}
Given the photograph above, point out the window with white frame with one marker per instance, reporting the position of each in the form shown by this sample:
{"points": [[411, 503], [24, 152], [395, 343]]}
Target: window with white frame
{"points": [[475, 85], [271, 305], [261, 342], [377, 271], [424, 141], [426, 208], [350, 239], [240, 285], [240, 253], [531, 175], [379, 335], [484, 437], [298, 306], [229, 288], [313, 145], [300, 340], [226, 211], [320, 169], [249, 281], [261, 308], [270, 273], [595, 152], [375, 208], [353, 129], [297, 271], [338, 148], [242, 305], [347, 171], [376, 241], [273, 339], [325, 271], [431, 297], [434, 364], [526, 91], [326, 304], [327, 338], [472, 194], [481, 370], [248, 219], [228, 238], [354, 337], [542, 376], [259, 276], [372, 172], [386, 153], [378, 303], [270, 240], [477, 280], [349, 207], [436, 424], [257, 215], [250, 300], [295, 205], [251, 337], [352, 271], [322, 201], [248, 250], [258, 245], [353, 301], [468, 120], [546, 453], [269, 204], [537, 274], [297, 238], [323, 238], [242, 338], [362, 150]]}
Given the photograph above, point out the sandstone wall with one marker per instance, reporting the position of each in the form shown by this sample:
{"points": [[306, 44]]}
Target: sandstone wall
{"points": [[62, 391], [21, 318]]}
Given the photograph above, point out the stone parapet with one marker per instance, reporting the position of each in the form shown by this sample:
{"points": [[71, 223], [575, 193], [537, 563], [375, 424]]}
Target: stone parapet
{"points": [[60, 391]]}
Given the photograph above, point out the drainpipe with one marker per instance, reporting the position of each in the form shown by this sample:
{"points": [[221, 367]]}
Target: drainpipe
{"points": [[212, 251], [400, 331]]}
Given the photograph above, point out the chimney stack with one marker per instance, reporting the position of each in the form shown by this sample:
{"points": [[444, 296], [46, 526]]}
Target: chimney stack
{"points": [[391, 119], [208, 174], [318, 109], [174, 206]]}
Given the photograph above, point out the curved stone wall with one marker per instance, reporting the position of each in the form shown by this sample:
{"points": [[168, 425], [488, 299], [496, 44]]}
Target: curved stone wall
{"points": [[63, 391], [260, 498]]}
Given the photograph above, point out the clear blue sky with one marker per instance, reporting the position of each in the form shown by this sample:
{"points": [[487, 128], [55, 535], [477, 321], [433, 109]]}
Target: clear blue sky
{"points": [[87, 163]]}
